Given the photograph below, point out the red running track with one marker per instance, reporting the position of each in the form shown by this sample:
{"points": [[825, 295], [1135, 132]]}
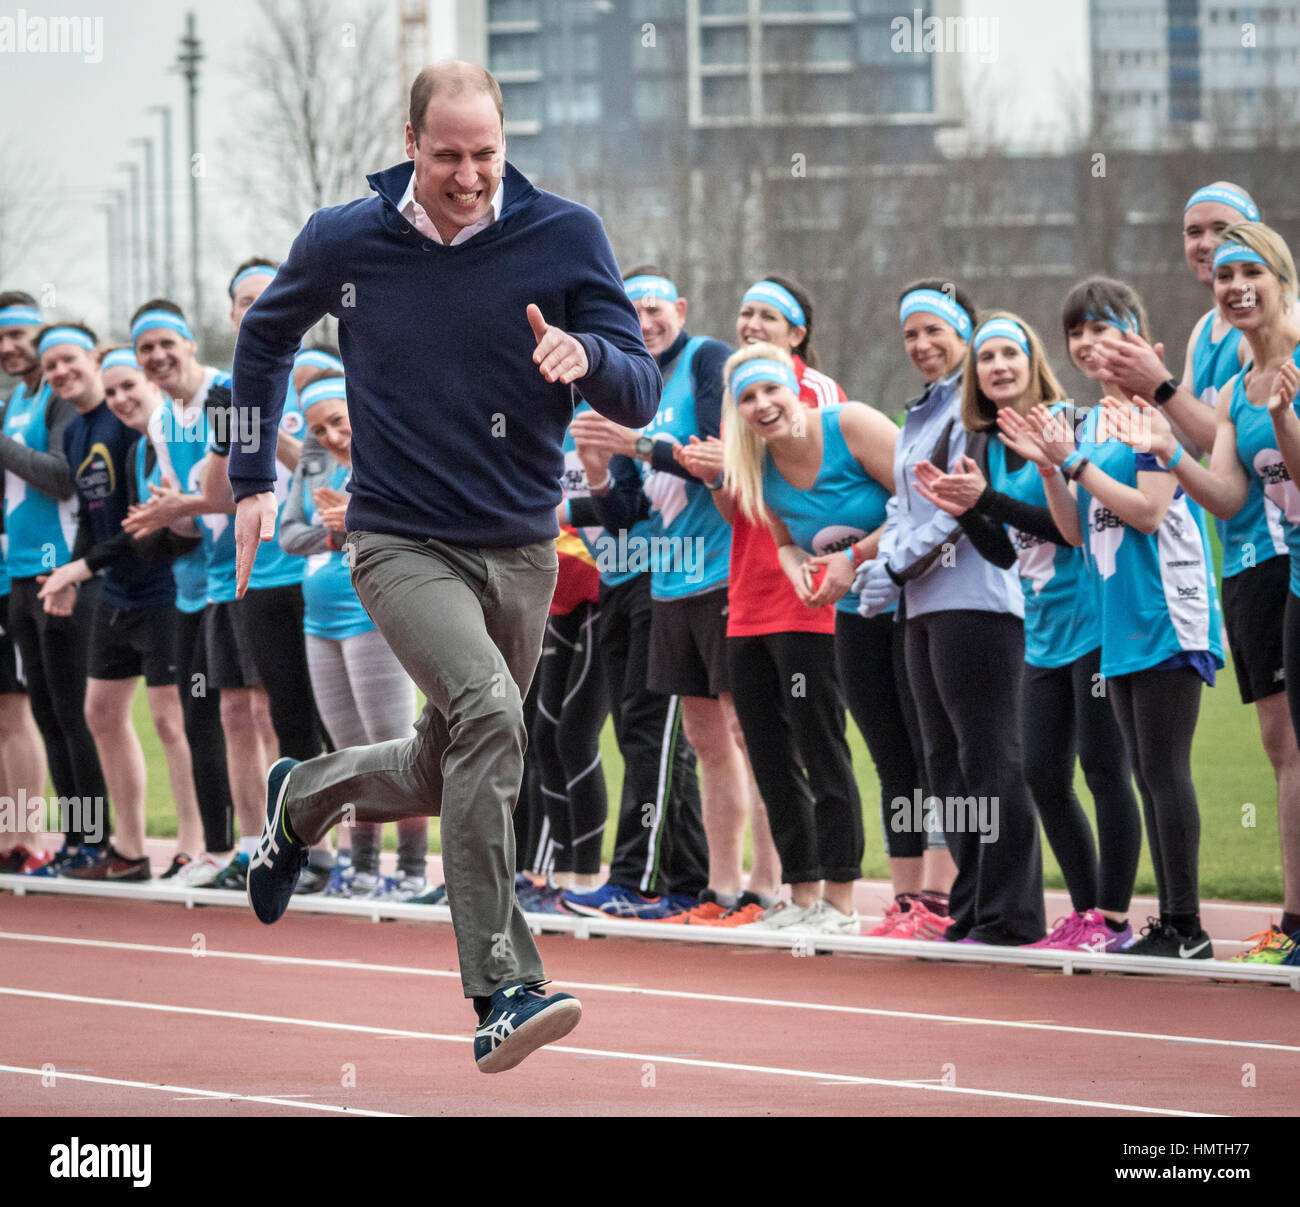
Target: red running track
{"points": [[111, 1000]]}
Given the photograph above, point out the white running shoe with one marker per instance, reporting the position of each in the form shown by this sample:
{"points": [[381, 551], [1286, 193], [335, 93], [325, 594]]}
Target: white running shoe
{"points": [[198, 873], [781, 916], [823, 918]]}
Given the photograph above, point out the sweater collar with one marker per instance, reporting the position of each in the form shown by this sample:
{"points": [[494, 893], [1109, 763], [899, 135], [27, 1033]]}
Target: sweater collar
{"points": [[391, 185]]}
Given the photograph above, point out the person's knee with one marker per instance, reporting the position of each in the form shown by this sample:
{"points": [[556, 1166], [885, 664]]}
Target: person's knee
{"points": [[707, 730], [105, 716], [169, 725], [237, 715]]}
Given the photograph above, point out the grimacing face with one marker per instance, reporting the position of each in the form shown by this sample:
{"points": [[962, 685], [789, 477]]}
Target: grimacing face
{"points": [[459, 157]]}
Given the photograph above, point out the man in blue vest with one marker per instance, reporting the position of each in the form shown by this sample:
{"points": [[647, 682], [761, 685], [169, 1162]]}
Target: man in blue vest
{"points": [[446, 287]]}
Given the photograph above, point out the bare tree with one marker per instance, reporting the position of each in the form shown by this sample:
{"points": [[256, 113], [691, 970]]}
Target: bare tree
{"points": [[26, 206], [321, 111]]}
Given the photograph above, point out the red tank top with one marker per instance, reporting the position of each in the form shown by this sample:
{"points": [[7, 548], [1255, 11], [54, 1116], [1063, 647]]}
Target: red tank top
{"points": [[760, 598]]}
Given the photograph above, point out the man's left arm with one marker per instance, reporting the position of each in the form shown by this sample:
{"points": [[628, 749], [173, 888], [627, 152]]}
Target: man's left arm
{"points": [[622, 381], [296, 299]]}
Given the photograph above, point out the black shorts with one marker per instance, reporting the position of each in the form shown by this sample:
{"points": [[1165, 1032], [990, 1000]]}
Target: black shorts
{"points": [[230, 662], [128, 642], [688, 648], [12, 679], [1254, 602]]}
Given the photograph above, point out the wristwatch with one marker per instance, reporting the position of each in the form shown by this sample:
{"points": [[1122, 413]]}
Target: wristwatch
{"points": [[1164, 391], [645, 448]]}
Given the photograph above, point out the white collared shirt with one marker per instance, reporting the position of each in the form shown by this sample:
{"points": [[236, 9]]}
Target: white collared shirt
{"points": [[413, 212]]}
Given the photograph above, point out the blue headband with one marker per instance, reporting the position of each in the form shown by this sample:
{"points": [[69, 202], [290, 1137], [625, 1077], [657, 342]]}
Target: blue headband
{"points": [[931, 301], [257, 270], [1238, 201], [120, 358], [160, 318], [1002, 329], [1124, 321], [758, 370], [1230, 252], [650, 287], [317, 360], [64, 335], [20, 316], [779, 297], [318, 391]]}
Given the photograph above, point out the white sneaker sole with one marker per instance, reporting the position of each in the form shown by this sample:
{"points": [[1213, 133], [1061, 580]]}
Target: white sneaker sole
{"points": [[545, 1027]]}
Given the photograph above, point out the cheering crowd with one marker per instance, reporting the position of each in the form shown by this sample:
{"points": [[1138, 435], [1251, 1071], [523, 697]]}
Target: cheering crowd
{"points": [[1006, 582]]}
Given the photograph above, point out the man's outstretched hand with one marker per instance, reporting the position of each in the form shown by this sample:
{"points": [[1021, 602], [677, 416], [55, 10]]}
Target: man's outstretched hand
{"points": [[558, 356], [254, 522]]}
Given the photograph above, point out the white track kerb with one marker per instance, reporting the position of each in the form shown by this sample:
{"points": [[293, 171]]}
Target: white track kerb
{"points": [[1068, 962]]}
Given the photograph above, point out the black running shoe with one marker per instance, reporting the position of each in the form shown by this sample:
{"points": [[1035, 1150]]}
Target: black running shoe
{"points": [[1159, 939], [274, 868]]}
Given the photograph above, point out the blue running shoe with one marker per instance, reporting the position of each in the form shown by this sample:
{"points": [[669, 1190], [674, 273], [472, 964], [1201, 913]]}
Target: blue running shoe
{"points": [[55, 864], [615, 901], [519, 1020], [276, 864], [1293, 956]]}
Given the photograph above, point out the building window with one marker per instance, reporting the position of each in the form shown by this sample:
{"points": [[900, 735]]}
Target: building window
{"points": [[808, 44], [583, 106], [725, 96], [514, 10], [715, 8], [513, 52], [522, 103], [725, 45]]}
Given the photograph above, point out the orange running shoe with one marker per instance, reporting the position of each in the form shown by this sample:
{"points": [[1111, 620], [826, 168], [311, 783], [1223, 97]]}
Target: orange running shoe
{"points": [[748, 909], [708, 910]]}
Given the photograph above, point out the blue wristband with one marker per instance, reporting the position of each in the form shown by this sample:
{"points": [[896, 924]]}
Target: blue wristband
{"points": [[849, 554], [1176, 458], [1071, 461]]}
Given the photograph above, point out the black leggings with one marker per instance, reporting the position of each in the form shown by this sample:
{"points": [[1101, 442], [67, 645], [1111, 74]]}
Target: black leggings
{"points": [[1066, 709], [1157, 713], [270, 624], [54, 651], [660, 847], [964, 668], [870, 659], [788, 702], [201, 707], [572, 704]]}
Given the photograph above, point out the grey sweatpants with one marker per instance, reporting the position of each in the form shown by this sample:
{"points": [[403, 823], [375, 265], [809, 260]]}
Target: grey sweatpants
{"points": [[467, 625]]}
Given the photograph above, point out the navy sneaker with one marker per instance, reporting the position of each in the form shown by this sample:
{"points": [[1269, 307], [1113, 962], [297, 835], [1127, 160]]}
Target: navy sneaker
{"points": [[615, 901], [519, 1020], [55, 864], [276, 864]]}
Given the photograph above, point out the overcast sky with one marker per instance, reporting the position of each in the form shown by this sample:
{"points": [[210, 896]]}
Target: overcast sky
{"points": [[70, 121]]}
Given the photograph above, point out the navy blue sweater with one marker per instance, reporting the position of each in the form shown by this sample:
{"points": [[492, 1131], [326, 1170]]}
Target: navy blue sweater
{"points": [[455, 433], [101, 454]]}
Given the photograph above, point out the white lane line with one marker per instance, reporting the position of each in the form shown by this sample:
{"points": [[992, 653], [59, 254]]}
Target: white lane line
{"points": [[191, 1094], [606, 1054], [677, 994]]}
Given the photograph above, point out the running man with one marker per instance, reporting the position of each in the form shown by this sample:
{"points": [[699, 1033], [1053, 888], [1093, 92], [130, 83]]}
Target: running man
{"points": [[458, 397]]}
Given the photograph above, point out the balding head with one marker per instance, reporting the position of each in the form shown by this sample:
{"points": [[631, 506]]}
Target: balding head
{"points": [[450, 78]]}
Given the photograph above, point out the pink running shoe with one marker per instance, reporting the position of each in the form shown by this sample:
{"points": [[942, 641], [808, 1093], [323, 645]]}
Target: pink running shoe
{"points": [[921, 925], [1062, 932], [893, 916], [1092, 934]]}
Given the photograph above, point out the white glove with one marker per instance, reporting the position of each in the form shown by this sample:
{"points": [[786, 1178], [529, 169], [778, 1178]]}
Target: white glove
{"points": [[876, 591]]}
